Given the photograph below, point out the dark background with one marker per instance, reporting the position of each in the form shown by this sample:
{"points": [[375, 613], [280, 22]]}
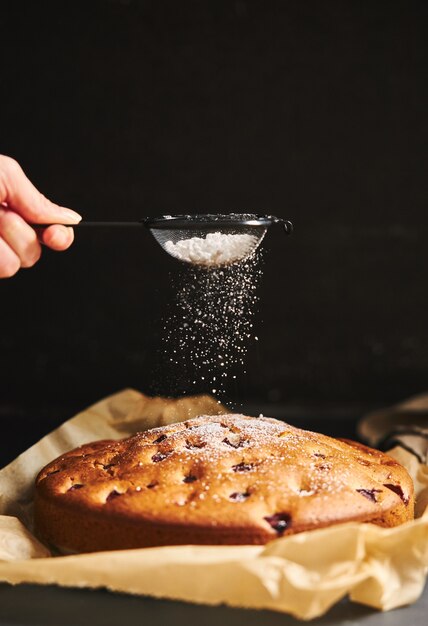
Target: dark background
{"points": [[316, 111]]}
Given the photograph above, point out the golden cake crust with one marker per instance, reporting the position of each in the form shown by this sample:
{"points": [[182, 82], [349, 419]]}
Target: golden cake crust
{"points": [[227, 479]]}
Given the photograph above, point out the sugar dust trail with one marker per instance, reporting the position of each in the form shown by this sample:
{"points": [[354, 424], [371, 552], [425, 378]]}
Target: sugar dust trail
{"points": [[209, 327]]}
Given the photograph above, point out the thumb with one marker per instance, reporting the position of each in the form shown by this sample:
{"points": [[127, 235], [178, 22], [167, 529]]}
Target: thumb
{"points": [[21, 196]]}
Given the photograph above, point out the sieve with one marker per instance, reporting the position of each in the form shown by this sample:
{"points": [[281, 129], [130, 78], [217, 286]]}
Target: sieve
{"points": [[173, 232], [250, 229]]}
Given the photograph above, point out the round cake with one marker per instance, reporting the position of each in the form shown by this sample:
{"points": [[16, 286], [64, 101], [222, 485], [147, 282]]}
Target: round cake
{"points": [[228, 479]]}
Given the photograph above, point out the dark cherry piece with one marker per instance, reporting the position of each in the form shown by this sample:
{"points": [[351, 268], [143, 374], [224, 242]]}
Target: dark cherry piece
{"points": [[279, 522], [239, 496], [151, 485], [160, 439], [113, 494], [398, 490], [190, 479], [160, 456], [370, 494], [195, 445], [319, 455], [75, 486], [243, 467]]}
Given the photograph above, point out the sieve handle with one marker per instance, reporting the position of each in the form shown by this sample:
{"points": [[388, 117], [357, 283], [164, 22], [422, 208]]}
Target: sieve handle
{"points": [[94, 224]]}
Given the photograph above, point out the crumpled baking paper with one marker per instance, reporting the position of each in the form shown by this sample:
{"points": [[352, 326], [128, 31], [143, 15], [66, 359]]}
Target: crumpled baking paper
{"points": [[404, 426], [303, 574]]}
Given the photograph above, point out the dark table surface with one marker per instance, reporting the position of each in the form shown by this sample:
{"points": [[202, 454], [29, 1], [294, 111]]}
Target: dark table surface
{"points": [[29, 605], [32, 605]]}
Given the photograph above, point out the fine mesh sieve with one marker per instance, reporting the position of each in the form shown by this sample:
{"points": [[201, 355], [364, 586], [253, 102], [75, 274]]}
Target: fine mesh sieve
{"points": [[212, 240]]}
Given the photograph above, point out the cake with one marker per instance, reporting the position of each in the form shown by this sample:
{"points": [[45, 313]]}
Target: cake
{"points": [[227, 479]]}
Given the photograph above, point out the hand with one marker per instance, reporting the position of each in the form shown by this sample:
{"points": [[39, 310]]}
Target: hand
{"points": [[20, 203]]}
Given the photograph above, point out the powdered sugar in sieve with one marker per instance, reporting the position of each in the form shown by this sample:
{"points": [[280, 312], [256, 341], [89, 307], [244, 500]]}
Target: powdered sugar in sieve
{"points": [[214, 249]]}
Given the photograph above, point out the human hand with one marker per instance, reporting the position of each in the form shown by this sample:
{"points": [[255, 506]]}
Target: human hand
{"points": [[21, 204]]}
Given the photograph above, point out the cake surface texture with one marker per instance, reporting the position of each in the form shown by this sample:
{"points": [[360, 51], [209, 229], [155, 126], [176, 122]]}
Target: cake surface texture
{"points": [[227, 479]]}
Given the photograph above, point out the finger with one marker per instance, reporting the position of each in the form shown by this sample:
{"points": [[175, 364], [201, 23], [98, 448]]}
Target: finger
{"points": [[57, 237], [23, 197], [9, 261], [20, 237]]}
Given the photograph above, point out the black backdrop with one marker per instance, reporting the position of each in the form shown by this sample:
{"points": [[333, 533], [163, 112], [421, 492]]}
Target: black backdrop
{"points": [[312, 110]]}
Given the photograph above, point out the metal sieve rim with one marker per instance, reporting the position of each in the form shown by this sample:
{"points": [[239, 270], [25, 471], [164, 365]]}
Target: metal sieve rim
{"points": [[209, 221]]}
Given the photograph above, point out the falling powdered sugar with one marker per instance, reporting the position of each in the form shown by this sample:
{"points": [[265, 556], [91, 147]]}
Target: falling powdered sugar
{"points": [[210, 326], [215, 249]]}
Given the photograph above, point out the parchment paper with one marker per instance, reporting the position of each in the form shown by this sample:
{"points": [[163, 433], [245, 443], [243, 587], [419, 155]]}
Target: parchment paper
{"points": [[303, 574]]}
